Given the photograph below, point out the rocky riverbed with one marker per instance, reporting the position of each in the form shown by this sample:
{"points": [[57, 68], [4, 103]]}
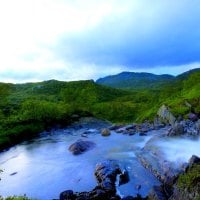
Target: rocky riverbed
{"points": [[93, 159]]}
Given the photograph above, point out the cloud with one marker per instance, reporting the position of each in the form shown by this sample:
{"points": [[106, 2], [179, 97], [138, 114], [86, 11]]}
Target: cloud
{"points": [[143, 33], [75, 39]]}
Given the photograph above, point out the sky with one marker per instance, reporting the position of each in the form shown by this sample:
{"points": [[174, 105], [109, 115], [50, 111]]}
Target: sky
{"points": [[87, 39]]}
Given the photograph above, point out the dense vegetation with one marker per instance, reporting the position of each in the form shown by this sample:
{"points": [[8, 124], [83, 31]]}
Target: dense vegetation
{"points": [[26, 109]]}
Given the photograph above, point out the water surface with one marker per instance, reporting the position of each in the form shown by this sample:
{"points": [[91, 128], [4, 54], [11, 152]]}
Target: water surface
{"points": [[43, 167]]}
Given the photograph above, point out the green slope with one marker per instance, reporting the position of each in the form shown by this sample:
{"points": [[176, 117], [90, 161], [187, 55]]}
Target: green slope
{"points": [[26, 109]]}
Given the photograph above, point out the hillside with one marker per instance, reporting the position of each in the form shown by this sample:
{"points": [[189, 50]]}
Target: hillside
{"points": [[27, 109], [132, 80]]}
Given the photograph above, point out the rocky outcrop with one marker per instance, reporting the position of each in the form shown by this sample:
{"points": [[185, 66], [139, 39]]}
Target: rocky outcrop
{"points": [[185, 127], [165, 115], [81, 146], [186, 186]]}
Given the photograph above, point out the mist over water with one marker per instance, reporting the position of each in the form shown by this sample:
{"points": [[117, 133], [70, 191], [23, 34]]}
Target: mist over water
{"points": [[179, 150]]}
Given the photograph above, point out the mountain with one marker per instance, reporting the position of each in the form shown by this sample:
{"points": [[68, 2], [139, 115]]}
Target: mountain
{"points": [[186, 74], [133, 80]]}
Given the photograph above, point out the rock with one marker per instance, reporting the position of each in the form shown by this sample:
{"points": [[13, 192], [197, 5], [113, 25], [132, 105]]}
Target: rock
{"points": [[187, 186], [142, 134], [123, 177], [106, 173], [177, 129], [157, 193], [115, 127], [130, 127], [193, 117], [105, 132], [157, 123], [166, 115], [81, 146], [67, 195], [197, 125], [194, 160]]}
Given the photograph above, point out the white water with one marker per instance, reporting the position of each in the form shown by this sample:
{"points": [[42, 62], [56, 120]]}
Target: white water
{"points": [[179, 150]]}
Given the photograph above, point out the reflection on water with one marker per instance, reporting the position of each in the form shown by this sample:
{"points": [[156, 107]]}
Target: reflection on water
{"points": [[45, 167]]}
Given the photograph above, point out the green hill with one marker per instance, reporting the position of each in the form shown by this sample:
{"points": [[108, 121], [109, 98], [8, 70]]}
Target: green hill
{"points": [[27, 109]]}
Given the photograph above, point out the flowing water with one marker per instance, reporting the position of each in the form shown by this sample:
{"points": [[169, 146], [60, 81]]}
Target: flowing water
{"points": [[43, 167]]}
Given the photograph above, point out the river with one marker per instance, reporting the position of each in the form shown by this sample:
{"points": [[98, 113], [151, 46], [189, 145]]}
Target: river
{"points": [[43, 167]]}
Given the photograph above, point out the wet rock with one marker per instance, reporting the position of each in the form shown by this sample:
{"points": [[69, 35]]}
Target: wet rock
{"points": [[106, 173], [105, 132], [81, 146], [130, 127], [165, 114], [115, 127], [193, 117], [177, 129], [123, 177], [142, 134], [67, 195], [157, 193]]}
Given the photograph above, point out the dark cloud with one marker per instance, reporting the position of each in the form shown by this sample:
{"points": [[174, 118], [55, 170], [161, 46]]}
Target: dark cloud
{"points": [[158, 33]]}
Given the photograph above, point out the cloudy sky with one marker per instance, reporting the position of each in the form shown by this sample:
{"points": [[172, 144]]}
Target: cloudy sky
{"points": [[87, 39]]}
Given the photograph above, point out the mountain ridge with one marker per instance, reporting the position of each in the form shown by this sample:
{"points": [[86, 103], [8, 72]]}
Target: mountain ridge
{"points": [[141, 80]]}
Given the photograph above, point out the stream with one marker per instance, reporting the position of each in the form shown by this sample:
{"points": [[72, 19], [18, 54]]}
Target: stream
{"points": [[43, 167]]}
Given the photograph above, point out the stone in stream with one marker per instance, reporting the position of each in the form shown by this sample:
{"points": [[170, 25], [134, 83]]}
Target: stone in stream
{"points": [[105, 173], [81, 146], [105, 132]]}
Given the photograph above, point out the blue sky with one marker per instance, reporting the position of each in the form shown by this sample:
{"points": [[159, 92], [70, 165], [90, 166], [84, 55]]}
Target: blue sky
{"points": [[76, 39]]}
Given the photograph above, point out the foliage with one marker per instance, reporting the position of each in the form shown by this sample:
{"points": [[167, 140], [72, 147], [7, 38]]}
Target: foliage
{"points": [[191, 178], [26, 109]]}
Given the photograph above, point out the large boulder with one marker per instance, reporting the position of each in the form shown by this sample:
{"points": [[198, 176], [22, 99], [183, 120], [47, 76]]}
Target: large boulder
{"points": [[81, 146], [106, 173], [105, 132], [165, 114]]}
